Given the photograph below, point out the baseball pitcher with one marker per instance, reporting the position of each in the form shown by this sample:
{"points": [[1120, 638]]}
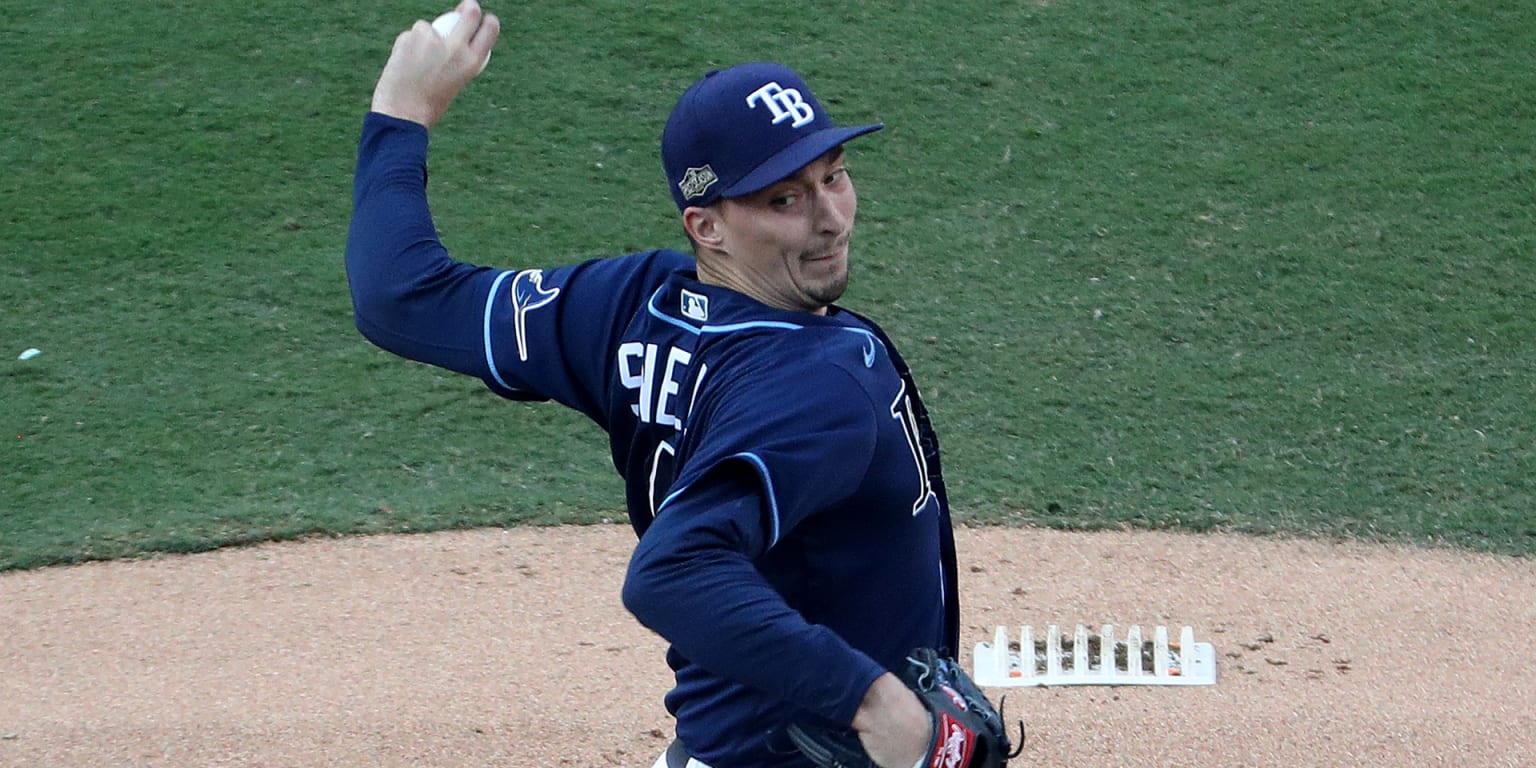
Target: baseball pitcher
{"points": [[781, 473]]}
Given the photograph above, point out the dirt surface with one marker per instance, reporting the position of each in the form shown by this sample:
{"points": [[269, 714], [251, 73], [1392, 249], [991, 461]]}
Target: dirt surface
{"points": [[510, 648]]}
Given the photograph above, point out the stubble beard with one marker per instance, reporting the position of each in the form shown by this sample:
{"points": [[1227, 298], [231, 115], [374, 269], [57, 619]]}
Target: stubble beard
{"points": [[828, 290]]}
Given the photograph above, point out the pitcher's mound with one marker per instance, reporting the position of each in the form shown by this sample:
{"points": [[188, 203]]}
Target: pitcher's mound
{"points": [[510, 647]]}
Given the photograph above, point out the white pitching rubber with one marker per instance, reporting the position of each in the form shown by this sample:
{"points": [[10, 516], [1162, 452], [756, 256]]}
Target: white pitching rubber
{"points": [[1082, 658], [1107, 651]]}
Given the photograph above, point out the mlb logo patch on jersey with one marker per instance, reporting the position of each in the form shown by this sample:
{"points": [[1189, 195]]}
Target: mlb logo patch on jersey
{"points": [[695, 306]]}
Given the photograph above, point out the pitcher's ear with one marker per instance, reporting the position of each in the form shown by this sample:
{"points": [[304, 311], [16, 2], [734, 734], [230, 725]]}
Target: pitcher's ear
{"points": [[705, 226]]}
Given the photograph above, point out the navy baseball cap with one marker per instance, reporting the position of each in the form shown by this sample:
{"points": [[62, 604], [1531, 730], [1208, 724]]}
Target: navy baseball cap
{"points": [[738, 130]]}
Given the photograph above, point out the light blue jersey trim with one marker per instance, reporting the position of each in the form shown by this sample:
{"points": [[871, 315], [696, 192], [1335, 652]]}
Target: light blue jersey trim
{"points": [[490, 356], [863, 332], [773, 498], [650, 307]]}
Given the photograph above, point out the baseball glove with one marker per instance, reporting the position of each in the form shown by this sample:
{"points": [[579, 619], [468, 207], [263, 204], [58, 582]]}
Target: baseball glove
{"points": [[967, 731]]}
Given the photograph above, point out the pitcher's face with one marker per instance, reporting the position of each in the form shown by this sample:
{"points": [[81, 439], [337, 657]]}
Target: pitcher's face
{"points": [[787, 244]]}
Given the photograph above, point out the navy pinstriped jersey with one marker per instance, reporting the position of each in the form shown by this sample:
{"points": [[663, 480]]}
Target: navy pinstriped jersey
{"points": [[779, 467]]}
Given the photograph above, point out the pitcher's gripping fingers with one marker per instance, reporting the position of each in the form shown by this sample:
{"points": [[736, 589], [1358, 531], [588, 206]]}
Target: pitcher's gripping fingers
{"points": [[426, 71]]}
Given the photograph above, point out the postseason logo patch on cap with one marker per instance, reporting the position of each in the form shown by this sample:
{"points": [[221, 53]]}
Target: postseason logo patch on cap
{"points": [[697, 181]]}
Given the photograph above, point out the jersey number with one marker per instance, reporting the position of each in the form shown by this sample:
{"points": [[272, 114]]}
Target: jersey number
{"points": [[901, 410]]}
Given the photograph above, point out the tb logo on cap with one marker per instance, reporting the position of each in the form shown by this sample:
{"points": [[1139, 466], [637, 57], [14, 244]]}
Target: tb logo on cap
{"points": [[785, 103]]}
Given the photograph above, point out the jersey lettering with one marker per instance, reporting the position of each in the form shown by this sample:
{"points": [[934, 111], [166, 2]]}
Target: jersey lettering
{"points": [[656, 385], [902, 411], [661, 474], [677, 362]]}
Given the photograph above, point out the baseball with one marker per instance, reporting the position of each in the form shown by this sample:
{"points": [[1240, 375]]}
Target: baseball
{"points": [[445, 23]]}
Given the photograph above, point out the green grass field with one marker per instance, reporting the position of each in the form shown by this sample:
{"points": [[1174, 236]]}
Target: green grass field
{"points": [[1250, 266]]}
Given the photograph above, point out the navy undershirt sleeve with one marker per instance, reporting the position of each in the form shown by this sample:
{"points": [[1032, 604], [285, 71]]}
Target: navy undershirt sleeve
{"points": [[408, 296], [527, 333]]}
